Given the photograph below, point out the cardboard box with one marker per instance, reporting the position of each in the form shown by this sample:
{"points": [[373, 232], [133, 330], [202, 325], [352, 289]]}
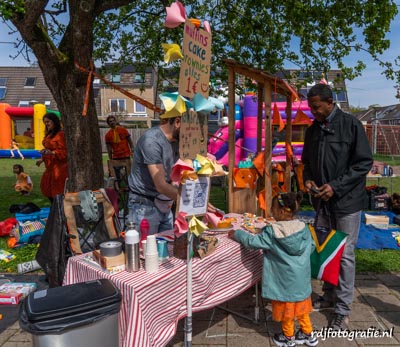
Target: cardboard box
{"points": [[108, 262], [13, 292], [380, 221], [111, 270]]}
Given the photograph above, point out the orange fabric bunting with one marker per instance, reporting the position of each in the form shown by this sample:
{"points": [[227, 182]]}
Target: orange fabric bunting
{"points": [[259, 163], [277, 119], [244, 178], [302, 118], [289, 151]]}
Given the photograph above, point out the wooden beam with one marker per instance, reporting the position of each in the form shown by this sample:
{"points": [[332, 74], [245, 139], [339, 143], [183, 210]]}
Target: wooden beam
{"points": [[231, 134], [259, 115], [268, 147], [288, 140]]}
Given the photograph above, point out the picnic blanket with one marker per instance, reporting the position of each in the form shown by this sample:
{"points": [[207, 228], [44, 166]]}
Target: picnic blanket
{"points": [[369, 236]]}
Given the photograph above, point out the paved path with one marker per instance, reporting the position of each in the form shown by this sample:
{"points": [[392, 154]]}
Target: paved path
{"points": [[376, 306]]}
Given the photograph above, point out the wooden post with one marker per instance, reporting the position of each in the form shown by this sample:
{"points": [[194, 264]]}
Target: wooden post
{"points": [[231, 127], [268, 147], [259, 115], [288, 140]]}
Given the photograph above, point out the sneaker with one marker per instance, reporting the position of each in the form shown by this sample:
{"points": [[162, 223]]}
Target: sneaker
{"points": [[305, 339], [322, 304], [339, 322], [283, 341]]}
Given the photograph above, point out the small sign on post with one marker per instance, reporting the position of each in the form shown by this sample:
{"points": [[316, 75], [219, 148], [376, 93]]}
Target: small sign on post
{"points": [[193, 135], [193, 196]]}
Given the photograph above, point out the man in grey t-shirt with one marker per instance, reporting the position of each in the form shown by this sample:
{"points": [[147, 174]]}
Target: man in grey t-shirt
{"points": [[150, 188]]}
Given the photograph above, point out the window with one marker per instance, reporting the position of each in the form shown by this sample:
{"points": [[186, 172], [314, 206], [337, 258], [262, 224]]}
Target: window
{"points": [[303, 93], [318, 75], [139, 108], [116, 78], [303, 75], [23, 103], [139, 78], [339, 96], [3, 88], [30, 82], [117, 105]]}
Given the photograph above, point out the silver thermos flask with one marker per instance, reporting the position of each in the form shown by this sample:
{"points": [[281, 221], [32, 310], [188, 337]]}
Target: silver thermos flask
{"points": [[132, 256]]}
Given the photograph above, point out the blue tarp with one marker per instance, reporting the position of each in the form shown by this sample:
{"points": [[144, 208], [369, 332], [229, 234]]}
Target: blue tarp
{"points": [[369, 236]]}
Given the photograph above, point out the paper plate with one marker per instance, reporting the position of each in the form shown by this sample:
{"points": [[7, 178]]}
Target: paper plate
{"points": [[220, 230]]}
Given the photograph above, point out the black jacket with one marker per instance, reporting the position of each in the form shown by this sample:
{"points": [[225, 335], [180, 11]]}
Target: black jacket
{"points": [[339, 155], [54, 249]]}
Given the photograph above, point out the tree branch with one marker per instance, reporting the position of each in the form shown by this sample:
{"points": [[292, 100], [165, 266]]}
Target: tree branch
{"points": [[106, 5]]}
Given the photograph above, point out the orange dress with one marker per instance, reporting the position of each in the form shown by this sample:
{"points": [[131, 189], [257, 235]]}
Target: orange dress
{"points": [[24, 182], [53, 179], [282, 311]]}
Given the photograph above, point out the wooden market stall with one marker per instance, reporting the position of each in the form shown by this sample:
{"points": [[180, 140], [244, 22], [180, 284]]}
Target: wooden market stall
{"points": [[244, 200]]}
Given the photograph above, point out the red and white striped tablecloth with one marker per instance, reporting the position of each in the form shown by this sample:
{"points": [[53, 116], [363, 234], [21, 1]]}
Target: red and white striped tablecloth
{"points": [[152, 304]]}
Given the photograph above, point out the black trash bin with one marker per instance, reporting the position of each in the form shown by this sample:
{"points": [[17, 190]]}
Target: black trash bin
{"points": [[80, 315]]}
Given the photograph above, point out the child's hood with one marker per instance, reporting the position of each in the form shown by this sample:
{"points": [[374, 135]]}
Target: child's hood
{"points": [[291, 236]]}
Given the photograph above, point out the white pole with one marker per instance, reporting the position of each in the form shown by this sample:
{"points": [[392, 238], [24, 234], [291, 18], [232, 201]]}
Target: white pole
{"points": [[188, 320]]}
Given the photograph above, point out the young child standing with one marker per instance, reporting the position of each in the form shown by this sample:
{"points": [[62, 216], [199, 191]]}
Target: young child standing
{"points": [[287, 245], [15, 147], [24, 183]]}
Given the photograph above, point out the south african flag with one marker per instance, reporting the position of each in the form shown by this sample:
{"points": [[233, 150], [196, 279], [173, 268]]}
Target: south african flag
{"points": [[325, 260]]}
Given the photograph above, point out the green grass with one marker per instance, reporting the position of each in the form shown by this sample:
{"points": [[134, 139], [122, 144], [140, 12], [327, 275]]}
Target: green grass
{"points": [[9, 197], [387, 260], [7, 179], [388, 159], [367, 260]]}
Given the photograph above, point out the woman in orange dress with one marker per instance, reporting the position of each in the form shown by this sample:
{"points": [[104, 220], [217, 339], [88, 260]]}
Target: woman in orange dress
{"points": [[54, 156]]}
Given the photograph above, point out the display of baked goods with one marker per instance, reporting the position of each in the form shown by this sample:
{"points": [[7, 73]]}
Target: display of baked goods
{"points": [[250, 227], [224, 223]]}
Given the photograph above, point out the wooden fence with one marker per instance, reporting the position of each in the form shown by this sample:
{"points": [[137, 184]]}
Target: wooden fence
{"points": [[384, 139], [135, 134]]}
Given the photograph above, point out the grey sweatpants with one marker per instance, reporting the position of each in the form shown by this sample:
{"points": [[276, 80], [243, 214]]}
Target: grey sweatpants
{"points": [[342, 294]]}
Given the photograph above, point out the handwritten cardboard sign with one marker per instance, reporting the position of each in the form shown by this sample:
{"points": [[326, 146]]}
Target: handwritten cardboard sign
{"points": [[193, 135], [194, 74]]}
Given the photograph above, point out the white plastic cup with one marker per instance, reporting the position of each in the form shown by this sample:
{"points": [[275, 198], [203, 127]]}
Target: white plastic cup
{"points": [[151, 247], [151, 262]]}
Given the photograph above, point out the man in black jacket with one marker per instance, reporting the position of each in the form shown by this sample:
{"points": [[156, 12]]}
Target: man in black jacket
{"points": [[336, 157]]}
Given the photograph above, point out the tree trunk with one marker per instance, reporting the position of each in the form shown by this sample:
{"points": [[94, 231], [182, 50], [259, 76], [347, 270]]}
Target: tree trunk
{"points": [[82, 132]]}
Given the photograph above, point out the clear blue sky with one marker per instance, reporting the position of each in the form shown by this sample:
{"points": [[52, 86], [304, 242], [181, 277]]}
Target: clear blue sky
{"points": [[369, 89]]}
